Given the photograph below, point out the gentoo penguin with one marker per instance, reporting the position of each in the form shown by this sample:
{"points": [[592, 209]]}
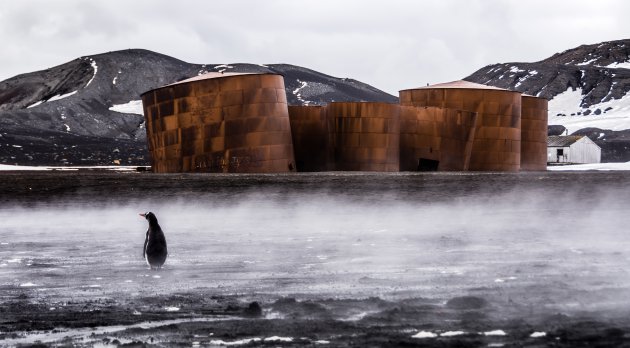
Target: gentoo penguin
{"points": [[154, 244]]}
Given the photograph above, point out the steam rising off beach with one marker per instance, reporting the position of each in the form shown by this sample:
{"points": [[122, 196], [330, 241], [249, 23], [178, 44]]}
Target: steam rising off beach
{"points": [[527, 246]]}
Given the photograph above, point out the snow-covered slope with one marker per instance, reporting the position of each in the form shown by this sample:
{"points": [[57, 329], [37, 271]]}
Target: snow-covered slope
{"points": [[565, 109], [587, 88], [88, 111]]}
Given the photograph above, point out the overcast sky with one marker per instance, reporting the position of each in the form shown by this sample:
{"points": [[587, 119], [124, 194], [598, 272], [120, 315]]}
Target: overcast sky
{"points": [[392, 45]]}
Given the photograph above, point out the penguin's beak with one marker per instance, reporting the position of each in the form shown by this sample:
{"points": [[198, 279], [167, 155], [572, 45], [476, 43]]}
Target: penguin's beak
{"points": [[143, 215]]}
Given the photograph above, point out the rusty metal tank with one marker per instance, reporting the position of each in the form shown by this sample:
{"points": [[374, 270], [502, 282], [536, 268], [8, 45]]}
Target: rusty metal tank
{"points": [[497, 142], [309, 131], [364, 136], [232, 122], [533, 133], [436, 139]]}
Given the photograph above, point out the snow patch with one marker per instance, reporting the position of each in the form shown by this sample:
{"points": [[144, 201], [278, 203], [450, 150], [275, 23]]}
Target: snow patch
{"points": [[132, 107], [521, 80], [538, 334], [278, 339], [587, 62], [494, 333], [171, 309], [591, 166], [234, 343], [116, 77], [297, 93], [61, 96], [67, 127], [424, 334], [221, 68], [34, 105], [567, 102], [57, 97], [452, 333], [27, 285], [95, 67], [515, 69], [622, 65]]}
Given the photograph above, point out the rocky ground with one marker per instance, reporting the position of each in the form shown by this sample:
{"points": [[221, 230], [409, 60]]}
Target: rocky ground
{"points": [[211, 320]]}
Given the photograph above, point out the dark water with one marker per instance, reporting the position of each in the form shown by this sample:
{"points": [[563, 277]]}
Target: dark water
{"points": [[530, 244]]}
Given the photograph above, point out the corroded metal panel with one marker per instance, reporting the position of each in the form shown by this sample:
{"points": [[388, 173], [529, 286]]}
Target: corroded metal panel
{"points": [[309, 130], [364, 136], [237, 123], [436, 134], [534, 133], [497, 139]]}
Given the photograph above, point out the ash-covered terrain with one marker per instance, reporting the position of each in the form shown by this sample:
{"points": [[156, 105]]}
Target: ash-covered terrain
{"points": [[88, 111], [588, 91]]}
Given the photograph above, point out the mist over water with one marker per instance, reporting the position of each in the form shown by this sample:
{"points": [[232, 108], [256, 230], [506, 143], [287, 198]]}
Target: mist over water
{"points": [[544, 240]]}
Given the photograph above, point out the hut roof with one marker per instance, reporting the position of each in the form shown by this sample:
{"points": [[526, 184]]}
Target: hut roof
{"points": [[562, 140]]}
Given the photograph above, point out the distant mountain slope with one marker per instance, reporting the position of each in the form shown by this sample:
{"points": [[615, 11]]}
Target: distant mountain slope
{"points": [[88, 111], [587, 87]]}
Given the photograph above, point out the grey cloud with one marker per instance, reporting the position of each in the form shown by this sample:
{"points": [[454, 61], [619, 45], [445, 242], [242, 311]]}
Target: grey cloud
{"points": [[391, 45]]}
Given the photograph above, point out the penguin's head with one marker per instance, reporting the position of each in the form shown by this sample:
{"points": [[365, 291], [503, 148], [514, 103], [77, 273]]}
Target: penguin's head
{"points": [[149, 216]]}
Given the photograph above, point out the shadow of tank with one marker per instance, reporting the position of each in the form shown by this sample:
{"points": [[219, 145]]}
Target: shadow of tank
{"points": [[534, 133], [364, 136], [309, 130], [225, 123], [497, 140], [435, 139]]}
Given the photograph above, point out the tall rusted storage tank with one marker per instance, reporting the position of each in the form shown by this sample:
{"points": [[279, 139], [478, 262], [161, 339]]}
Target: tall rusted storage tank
{"points": [[364, 136], [497, 143], [215, 122], [534, 133], [309, 131], [435, 139]]}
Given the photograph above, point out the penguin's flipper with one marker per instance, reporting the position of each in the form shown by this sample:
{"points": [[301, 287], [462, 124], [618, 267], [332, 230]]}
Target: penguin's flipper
{"points": [[144, 250]]}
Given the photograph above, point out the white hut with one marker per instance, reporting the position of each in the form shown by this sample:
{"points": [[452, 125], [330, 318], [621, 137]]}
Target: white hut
{"points": [[572, 149]]}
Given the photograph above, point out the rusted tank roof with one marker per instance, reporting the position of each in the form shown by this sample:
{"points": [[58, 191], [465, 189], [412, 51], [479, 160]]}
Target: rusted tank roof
{"points": [[562, 140], [214, 75], [460, 84], [207, 76]]}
